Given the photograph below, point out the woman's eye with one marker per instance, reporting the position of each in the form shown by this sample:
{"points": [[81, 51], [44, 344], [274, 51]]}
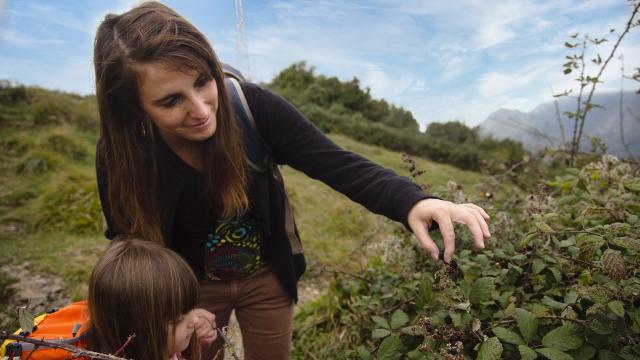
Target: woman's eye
{"points": [[201, 81], [170, 102]]}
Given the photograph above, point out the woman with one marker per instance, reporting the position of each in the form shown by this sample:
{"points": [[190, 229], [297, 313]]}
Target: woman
{"points": [[171, 168]]}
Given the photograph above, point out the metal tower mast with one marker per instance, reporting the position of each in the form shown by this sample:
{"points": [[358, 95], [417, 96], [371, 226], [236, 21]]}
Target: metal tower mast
{"points": [[242, 52]]}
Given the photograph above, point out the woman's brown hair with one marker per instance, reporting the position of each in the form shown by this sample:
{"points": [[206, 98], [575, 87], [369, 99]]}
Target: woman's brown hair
{"points": [[153, 33], [140, 287]]}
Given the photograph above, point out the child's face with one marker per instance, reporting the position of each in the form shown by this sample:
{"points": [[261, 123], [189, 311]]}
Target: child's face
{"points": [[180, 336]]}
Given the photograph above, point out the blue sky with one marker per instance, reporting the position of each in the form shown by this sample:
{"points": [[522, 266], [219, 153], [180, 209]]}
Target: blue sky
{"points": [[442, 60]]}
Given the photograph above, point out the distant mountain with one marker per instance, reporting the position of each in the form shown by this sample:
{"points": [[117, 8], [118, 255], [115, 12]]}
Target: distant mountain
{"points": [[539, 128]]}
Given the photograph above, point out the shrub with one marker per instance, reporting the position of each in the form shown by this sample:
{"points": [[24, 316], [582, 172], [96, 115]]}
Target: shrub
{"points": [[559, 280]]}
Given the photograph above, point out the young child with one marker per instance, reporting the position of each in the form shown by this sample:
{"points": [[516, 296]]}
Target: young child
{"points": [[143, 288]]}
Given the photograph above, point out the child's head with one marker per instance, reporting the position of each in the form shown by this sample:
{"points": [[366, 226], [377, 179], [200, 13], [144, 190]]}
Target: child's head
{"points": [[142, 288]]}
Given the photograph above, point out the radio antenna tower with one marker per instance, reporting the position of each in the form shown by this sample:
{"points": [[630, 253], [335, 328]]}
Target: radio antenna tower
{"points": [[242, 52]]}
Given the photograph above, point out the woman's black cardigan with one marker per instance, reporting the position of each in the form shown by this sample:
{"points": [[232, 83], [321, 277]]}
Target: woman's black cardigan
{"points": [[296, 142]]}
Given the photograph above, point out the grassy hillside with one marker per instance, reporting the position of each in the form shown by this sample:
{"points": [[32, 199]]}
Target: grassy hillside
{"points": [[50, 216]]}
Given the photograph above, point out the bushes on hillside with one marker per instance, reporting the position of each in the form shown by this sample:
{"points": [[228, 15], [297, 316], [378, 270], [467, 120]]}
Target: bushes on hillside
{"points": [[345, 108]]}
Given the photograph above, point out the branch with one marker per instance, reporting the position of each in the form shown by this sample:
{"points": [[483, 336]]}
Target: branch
{"points": [[606, 62], [75, 352]]}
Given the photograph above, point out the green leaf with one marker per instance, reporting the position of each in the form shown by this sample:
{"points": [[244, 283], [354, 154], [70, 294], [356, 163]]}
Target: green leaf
{"points": [[527, 323], [382, 322], [380, 333], [544, 227], [399, 319], [25, 318], [585, 352], [425, 292], [589, 245], [481, 290], [364, 354], [553, 303], [601, 325], [565, 337], [526, 353], [411, 330], [508, 336], [628, 353], [604, 354], [416, 355], [390, 348], [617, 307], [627, 243], [570, 297], [538, 265], [553, 354], [490, 350]]}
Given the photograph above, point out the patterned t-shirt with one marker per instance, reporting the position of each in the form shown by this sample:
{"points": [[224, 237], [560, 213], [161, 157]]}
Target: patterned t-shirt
{"points": [[216, 250], [232, 249]]}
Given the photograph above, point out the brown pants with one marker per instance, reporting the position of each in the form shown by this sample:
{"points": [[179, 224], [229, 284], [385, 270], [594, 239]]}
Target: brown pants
{"points": [[264, 312]]}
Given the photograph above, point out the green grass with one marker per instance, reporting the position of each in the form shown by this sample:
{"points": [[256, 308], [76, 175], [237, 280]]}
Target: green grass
{"points": [[50, 214]]}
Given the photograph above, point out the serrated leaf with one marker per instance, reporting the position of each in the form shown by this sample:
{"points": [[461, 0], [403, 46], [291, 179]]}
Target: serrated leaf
{"points": [[508, 336], [627, 353], [25, 318], [563, 338], [554, 354], [627, 242], [589, 245], [399, 319], [526, 353], [601, 326], [363, 353], [380, 333], [613, 264], [390, 348], [481, 290], [617, 307], [491, 349], [382, 322], [527, 324]]}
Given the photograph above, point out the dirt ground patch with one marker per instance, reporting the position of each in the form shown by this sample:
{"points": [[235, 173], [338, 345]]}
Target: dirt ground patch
{"points": [[37, 291]]}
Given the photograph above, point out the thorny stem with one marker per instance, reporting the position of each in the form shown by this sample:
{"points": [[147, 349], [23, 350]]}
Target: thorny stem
{"points": [[606, 62], [575, 139], [124, 346], [75, 352], [228, 343], [511, 321]]}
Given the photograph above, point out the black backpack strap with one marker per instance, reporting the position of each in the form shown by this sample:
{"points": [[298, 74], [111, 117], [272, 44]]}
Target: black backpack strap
{"points": [[258, 152], [256, 149]]}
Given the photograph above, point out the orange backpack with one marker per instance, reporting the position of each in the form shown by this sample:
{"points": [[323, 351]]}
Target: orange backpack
{"points": [[67, 325]]}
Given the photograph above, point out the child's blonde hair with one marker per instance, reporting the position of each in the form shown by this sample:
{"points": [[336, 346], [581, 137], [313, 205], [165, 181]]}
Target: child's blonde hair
{"points": [[140, 287]]}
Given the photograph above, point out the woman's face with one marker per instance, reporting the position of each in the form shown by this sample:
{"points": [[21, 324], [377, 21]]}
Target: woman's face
{"points": [[180, 336], [182, 105]]}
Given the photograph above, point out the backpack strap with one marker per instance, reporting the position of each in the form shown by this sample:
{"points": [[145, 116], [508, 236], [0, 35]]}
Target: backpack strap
{"points": [[258, 153]]}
